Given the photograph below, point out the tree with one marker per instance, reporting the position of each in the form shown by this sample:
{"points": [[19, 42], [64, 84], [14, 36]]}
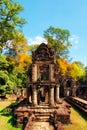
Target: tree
{"points": [[62, 66], [17, 45], [84, 77], [86, 73], [6, 82], [58, 39], [76, 70], [33, 47], [10, 22], [18, 52], [16, 57], [11, 74], [3, 63]]}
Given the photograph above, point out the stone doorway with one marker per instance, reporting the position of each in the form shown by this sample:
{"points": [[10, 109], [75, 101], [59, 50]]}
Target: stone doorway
{"points": [[41, 126], [42, 95]]}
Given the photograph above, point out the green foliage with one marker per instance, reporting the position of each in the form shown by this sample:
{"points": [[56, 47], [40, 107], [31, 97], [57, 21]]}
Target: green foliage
{"points": [[13, 41], [3, 77], [77, 70], [84, 77], [9, 20], [6, 84], [58, 39], [6, 117], [86, 73], [10, 75], [21, 76], [33, 47], [17, 45], [3, 63]]}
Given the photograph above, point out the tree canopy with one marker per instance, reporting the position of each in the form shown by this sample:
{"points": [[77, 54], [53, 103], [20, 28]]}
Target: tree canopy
{"points": [[14, 60], [75, 69], [58, 39], [10, 21]]}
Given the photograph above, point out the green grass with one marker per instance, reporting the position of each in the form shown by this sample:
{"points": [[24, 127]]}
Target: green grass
{"points": [[5, 123], [79, 121]]}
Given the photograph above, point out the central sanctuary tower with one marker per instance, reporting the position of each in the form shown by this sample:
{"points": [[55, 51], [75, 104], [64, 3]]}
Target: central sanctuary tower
{"points": [[42, 102]]}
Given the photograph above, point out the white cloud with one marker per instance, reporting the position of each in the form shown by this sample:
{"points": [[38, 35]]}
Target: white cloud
{"points": [[75, 41], [36, 40]]}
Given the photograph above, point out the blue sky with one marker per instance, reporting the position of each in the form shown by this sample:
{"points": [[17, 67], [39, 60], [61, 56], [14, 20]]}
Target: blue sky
{"points": [[65, 14]]}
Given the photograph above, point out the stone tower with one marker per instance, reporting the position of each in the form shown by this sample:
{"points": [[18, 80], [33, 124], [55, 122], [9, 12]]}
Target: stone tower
{"points": [[42, 102], [43, 85]]}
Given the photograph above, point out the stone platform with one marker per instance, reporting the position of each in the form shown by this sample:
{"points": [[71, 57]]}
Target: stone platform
{"points": [[43, 113]]}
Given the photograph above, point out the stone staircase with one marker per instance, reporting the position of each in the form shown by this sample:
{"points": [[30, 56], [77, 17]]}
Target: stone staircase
{"points": [[41, 126], [44, 112], [42, 117]]}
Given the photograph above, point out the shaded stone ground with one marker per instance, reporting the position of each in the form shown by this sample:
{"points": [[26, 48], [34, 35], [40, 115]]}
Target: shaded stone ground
{"points": [[41, 126]]}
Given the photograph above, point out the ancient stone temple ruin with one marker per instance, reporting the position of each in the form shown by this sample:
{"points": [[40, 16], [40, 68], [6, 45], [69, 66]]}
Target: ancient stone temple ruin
{"points": [[42, 101], [42, 79]]}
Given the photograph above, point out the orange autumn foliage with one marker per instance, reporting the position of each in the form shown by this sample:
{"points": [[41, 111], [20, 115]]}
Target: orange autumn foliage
{"points": [[24, 60], [62, 64], [74, 69]]}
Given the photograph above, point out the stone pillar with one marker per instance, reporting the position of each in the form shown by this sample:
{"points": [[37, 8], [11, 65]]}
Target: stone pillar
{"points": [[46, 98], [34, 72], [51, 72], [57, 93], [34, 95], [24, 92], [74, 91], [38, 73], [51, 95], [30, 99], [68, 92], [29, 93]]}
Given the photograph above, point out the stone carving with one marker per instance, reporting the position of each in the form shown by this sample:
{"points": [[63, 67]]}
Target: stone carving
{"points": [[43, 53], [42, 95]]}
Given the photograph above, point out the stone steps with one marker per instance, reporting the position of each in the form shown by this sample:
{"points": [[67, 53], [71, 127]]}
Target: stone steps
{"points": [[41, 126], [42, 116]]}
